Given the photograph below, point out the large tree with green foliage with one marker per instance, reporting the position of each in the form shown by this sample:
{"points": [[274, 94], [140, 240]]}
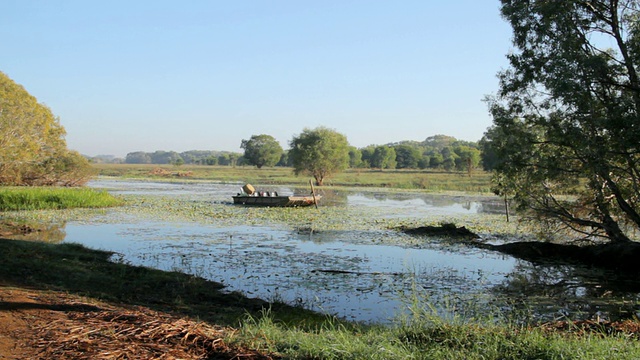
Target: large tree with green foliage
{"points": [[384, 157], [319, 152], [467, 158], [33, 150], [567, 116], [355, 157], [407, 156], [262, 150]]}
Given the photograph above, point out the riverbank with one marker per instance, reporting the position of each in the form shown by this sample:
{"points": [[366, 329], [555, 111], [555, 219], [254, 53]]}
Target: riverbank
{"points": [[67, 301]]}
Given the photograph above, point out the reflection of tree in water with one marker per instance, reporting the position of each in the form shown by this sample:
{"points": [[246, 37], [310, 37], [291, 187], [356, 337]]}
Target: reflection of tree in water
{"points": [[51, 233], [572, 290], [487, 205], [333, 197], [481, 204], [381, 196], [494, 207], [432, 200]]}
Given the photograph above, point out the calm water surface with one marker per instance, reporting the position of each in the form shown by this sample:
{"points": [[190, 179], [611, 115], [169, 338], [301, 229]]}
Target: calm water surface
{"points": [[342, 272]]}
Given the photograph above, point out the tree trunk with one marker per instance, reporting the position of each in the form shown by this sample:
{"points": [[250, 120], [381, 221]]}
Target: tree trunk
{"points": [[614, 233]]}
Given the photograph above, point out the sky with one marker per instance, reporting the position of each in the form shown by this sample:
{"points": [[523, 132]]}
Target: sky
{"points": [[127, 76]]}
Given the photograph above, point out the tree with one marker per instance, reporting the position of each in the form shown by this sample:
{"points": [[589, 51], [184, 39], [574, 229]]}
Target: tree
{"points": [[165, 157], [448, 158], [567, 115], [408, 156], [224, 159], [262, 150], [138, 157], [211, 160], [489, 157], [319, 152], [355, 157], [384, 157], [435, 160], [284, 159], [468, 158], [367, 155], [439, 141], [32, 146], [424, 161]]}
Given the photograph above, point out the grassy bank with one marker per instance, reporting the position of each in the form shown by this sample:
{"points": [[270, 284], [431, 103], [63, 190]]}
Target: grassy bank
{"points": [[479, 181], [431, 338], [41, 198], [290, 332]]}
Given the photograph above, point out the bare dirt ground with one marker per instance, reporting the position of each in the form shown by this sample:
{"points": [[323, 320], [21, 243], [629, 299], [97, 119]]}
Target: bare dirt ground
{"points": [[38, 324]]}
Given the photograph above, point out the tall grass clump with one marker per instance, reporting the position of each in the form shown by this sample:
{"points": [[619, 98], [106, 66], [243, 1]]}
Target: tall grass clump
{"points": [[427, 331], [330, 338], [44, 198], [435, 336]]}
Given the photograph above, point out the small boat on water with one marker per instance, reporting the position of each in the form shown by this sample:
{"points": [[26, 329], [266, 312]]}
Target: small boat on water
{"points": [[276, 201], [250, 196]]}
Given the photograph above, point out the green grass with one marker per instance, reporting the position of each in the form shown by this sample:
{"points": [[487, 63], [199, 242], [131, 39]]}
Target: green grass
{"points": [[41, 198], [432, 181], [428, 337]]}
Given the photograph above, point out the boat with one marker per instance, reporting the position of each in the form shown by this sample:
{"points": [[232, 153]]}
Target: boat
{"points": [[276, 201], [271, 199]]}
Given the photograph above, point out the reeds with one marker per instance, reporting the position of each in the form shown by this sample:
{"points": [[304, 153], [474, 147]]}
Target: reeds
{"points": [[42, 198]]}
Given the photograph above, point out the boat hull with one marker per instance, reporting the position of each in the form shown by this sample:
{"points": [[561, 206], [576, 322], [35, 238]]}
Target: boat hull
{"points": [[276, 201]]}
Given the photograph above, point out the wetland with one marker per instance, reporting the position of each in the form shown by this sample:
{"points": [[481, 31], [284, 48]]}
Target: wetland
{"points": [[346, 258]]}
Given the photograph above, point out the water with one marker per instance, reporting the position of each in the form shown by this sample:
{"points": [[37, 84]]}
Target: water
{"points": [[279, 265], [359, 273]]}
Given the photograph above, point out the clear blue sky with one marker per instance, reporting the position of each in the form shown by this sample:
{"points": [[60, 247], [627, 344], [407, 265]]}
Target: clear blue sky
{"points": [[129, 76]]}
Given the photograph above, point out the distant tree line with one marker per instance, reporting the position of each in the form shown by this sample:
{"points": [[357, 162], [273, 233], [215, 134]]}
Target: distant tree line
{"points": [[322, 152], [435, 152], [193, 157], [438, 152]]}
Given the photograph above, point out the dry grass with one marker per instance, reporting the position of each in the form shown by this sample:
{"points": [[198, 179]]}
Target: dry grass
{"points": [[134, 334]]}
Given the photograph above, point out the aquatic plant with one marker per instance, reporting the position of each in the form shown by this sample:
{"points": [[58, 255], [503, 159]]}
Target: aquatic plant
{"points": [[39, 198]]}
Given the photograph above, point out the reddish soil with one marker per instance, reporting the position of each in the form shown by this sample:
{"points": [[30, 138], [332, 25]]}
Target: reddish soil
{"points": [[38, 324]]}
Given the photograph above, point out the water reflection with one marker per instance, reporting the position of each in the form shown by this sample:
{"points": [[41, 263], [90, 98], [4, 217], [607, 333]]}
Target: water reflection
{"points": [[327, 272], [322, 271], [563, 291], [51, 233], [427, 203]]}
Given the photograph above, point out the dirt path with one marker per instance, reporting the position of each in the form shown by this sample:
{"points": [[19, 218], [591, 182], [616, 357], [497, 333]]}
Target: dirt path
{"points": [[38, 324], [16, 320]]}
